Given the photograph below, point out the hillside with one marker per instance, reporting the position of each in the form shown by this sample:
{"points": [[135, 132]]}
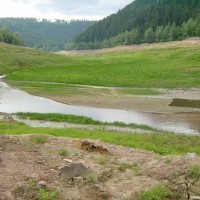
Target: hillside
{"points": [[171, 67], [46, 35], [144, 21]]}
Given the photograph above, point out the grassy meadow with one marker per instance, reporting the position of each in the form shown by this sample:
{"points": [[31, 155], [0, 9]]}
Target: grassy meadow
{"points": [[170, 67], [164, 144]]}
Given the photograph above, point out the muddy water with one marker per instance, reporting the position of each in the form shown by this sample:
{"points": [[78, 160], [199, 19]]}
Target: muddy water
{"points": [[14, 100]]}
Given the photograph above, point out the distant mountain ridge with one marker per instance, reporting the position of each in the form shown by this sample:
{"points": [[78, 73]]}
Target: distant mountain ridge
{"points": [[143, 21], [46, 35]]}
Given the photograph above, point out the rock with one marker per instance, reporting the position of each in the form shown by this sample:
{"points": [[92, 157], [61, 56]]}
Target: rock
{"points": [[191, 155], [42, 184], [40, 162], [78, 180], [75, 170], [68, 160]]}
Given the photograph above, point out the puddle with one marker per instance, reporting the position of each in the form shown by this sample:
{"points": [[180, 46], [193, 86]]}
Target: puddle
{"points": [[14, 100], [185, 103]]}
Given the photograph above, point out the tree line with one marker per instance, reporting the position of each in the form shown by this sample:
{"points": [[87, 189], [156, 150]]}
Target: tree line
{"points": [[11, 38], [44, 34], [170, 32], [142, 18]]}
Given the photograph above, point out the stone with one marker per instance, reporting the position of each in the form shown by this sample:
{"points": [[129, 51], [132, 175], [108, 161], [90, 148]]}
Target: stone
{"points": [[42, 184], [191, 155], [75, 170], [68, 160]]}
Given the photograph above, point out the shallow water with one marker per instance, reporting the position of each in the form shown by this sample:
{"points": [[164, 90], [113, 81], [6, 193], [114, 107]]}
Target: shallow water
{"points": [[14, 100]]}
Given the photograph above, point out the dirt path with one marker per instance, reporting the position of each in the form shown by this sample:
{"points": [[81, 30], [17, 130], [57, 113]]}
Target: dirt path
{"points": [[26, 160]]}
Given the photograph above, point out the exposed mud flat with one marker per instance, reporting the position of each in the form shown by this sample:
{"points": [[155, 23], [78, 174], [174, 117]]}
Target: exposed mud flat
{"points": [[24, 162]]}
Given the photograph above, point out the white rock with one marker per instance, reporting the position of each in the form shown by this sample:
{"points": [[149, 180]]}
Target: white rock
{"points": [[191, 155], [68, 160], [42, 184]]}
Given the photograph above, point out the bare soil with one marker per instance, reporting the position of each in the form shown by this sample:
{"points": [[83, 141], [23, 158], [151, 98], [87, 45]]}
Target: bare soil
{"points": [[23, 162], [98, 52]]}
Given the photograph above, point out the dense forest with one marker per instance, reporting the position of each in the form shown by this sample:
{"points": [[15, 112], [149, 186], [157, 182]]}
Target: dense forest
{"points": [[143, 21], [44, 34], [11, 38]]}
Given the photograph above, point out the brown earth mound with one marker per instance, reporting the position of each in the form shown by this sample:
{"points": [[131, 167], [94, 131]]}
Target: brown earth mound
{"points": [[30, 167]]}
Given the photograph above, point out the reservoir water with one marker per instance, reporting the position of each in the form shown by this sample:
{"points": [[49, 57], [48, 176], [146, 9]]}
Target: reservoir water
{"points": [[14, 100]]}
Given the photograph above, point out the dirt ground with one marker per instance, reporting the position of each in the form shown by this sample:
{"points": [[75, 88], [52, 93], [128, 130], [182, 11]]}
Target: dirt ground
{"points": [[118, 172], [184, 43]]}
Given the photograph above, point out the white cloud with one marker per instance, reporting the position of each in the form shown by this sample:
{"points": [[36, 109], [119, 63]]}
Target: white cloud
{"points": [[61, 9]]}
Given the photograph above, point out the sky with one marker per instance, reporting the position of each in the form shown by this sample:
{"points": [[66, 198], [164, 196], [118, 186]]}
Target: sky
{"points": [[61, 9]]}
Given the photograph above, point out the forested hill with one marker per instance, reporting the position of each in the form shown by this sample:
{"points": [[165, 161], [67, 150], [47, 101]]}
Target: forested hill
{"points": [[141, 15], [51, 36]]}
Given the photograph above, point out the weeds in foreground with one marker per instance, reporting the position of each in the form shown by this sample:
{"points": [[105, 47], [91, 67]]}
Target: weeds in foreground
{"points": [[56, 117], [92, 179], [103, 160], [124, 166], [156, 193], [33, 140], [38, 139], [136, 167], [32, 182], [63, 152], [48, 195]]}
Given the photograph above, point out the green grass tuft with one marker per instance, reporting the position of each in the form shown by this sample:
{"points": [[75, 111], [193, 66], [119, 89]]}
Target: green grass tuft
{"points": [[156, 193], [55, 117]]}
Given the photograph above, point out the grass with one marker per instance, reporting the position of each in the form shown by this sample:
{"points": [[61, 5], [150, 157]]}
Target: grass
{"points": [[63, 152], [92, 179], [164, 144], [156, 193], [64, 89], [38, 139], [136, 167], [51, 89], [48, 195], [32, 183], [75, 119], [103, 160], [151, 68], [35, 140], [124, 166]]}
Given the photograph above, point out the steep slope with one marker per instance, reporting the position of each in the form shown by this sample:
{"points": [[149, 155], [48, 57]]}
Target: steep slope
{"points": [[51, 36], [142, 14]]}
